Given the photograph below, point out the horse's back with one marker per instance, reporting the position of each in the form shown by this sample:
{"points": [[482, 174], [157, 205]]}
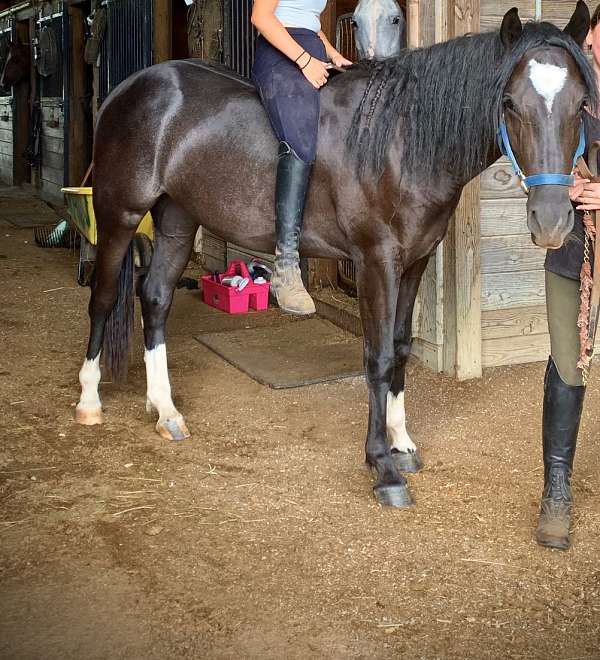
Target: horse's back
{"points": [[176, 128]]}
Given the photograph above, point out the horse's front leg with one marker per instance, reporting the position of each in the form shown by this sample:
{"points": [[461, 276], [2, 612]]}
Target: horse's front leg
{"points": [[404, 451], [378, 286]]}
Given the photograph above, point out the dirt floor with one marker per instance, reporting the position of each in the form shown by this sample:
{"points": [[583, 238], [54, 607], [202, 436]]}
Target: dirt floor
{"points": [[259, 537]]}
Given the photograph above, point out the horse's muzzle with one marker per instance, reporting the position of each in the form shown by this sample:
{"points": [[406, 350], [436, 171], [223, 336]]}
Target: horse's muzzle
{"points": [[550, 216]]}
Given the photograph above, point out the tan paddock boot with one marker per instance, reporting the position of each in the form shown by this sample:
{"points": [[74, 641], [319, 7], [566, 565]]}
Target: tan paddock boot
{"points": [[293, 175]]}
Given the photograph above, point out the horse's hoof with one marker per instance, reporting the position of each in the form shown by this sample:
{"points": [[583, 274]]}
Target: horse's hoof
{"points": [[173, 428], [395, 495], [407, 461], [88, 417]]}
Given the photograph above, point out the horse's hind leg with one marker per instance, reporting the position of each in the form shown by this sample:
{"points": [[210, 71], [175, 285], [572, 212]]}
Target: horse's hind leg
{"points": [[404, 450], [113, 243], [173, 240]]}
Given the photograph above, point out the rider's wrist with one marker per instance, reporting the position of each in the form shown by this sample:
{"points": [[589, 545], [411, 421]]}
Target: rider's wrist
{"points": [[301, 61], [299, 56]]}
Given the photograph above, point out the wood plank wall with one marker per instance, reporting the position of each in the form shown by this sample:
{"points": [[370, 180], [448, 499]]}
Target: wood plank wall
{"points": [[6, 140], [513, 325], [53, 148], [428, 331]]}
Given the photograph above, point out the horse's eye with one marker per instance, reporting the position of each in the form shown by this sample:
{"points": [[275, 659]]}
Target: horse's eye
{"points": [[509, 104], [353, 23], [396, 20]]}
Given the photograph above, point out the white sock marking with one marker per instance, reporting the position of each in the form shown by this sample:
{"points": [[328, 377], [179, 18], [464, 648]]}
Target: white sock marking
{"points": [[396, 424], [547, 80], [89, 377], [159, 388]]}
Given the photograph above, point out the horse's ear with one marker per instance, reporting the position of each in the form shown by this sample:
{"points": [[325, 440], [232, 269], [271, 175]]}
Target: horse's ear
{"points": [[579, 24], [512, 28]]}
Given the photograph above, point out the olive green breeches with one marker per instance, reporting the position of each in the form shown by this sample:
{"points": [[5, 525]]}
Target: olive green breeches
{"points": [[562, 304]]}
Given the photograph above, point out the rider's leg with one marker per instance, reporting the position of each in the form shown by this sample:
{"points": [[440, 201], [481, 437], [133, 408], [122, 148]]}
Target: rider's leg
{"points": [[293, 107], [563, 403], [293, 175]]}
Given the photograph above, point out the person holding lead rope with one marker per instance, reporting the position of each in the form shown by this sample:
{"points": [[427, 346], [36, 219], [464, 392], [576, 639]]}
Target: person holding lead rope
{"points": [[564, 383]]}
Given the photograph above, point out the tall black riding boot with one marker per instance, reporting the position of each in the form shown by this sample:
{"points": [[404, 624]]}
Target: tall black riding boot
{"points": [[562, 413], [290, 192]]}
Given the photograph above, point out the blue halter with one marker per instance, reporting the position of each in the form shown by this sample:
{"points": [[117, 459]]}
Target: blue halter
{"points": [[544, 179]]}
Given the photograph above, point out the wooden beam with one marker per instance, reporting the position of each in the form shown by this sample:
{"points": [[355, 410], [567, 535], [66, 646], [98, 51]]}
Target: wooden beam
{"points": [[462, 259], [328, 20], [79, 143], [413, 23], [322, 273], [21, 91], [162, 31]]}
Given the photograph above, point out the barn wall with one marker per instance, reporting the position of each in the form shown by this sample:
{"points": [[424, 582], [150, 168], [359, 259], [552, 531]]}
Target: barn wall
{"points": [[8, 103], [52, 168], [514, 324], [6, 140]]}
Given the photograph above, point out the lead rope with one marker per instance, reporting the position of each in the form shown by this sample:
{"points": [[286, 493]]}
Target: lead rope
{"points": [[586, 345], [589, 287]]}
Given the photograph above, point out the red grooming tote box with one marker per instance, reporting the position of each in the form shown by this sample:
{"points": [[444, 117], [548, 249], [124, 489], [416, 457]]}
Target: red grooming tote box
{"points": [[229, 299]]}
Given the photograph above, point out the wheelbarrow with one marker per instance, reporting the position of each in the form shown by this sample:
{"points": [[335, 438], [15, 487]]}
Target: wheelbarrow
{"points": [[81, 212]]}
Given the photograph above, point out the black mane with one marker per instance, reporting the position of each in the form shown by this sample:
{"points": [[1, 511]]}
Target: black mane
{"points": [[446, 94]]}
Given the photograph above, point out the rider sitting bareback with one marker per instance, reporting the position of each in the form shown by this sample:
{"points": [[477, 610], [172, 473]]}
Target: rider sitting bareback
{"points": [[289, 70]]}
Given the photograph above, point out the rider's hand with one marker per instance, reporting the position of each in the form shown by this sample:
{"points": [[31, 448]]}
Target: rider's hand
{"points": [[589, 200], [576, 189], [340, 60], [315, 72]]}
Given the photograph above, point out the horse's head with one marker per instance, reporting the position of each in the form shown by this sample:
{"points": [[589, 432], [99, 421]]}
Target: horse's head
{"points": [[542, 122], [379, 29], [17, 65]]}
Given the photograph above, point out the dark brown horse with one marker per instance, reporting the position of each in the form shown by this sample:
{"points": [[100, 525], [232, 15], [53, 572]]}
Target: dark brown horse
{"points": [[398, 141], [17, 66]]}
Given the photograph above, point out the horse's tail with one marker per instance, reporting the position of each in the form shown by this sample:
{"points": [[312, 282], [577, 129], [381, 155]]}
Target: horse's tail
{"points": [[119, 325]]}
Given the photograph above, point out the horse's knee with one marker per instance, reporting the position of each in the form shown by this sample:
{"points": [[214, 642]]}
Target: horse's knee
{"points": [[379, 367]]}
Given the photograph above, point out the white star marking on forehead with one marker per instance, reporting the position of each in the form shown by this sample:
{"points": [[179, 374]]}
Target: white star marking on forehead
{"points": [[547, 80]]}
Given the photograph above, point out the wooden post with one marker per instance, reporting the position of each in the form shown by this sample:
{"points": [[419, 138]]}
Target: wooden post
{"points": [[33, 95], [21, 111], [462, 263], [322, 273], [328, 20], [79, 152], [162, 31], [413, 23]]}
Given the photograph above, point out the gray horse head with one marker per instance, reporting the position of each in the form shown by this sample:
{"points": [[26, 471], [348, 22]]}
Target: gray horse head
{"points": [[379, 29]]}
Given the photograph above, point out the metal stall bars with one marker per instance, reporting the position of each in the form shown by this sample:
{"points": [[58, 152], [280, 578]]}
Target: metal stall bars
{"points": [[238, 36], [127, 44]]}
